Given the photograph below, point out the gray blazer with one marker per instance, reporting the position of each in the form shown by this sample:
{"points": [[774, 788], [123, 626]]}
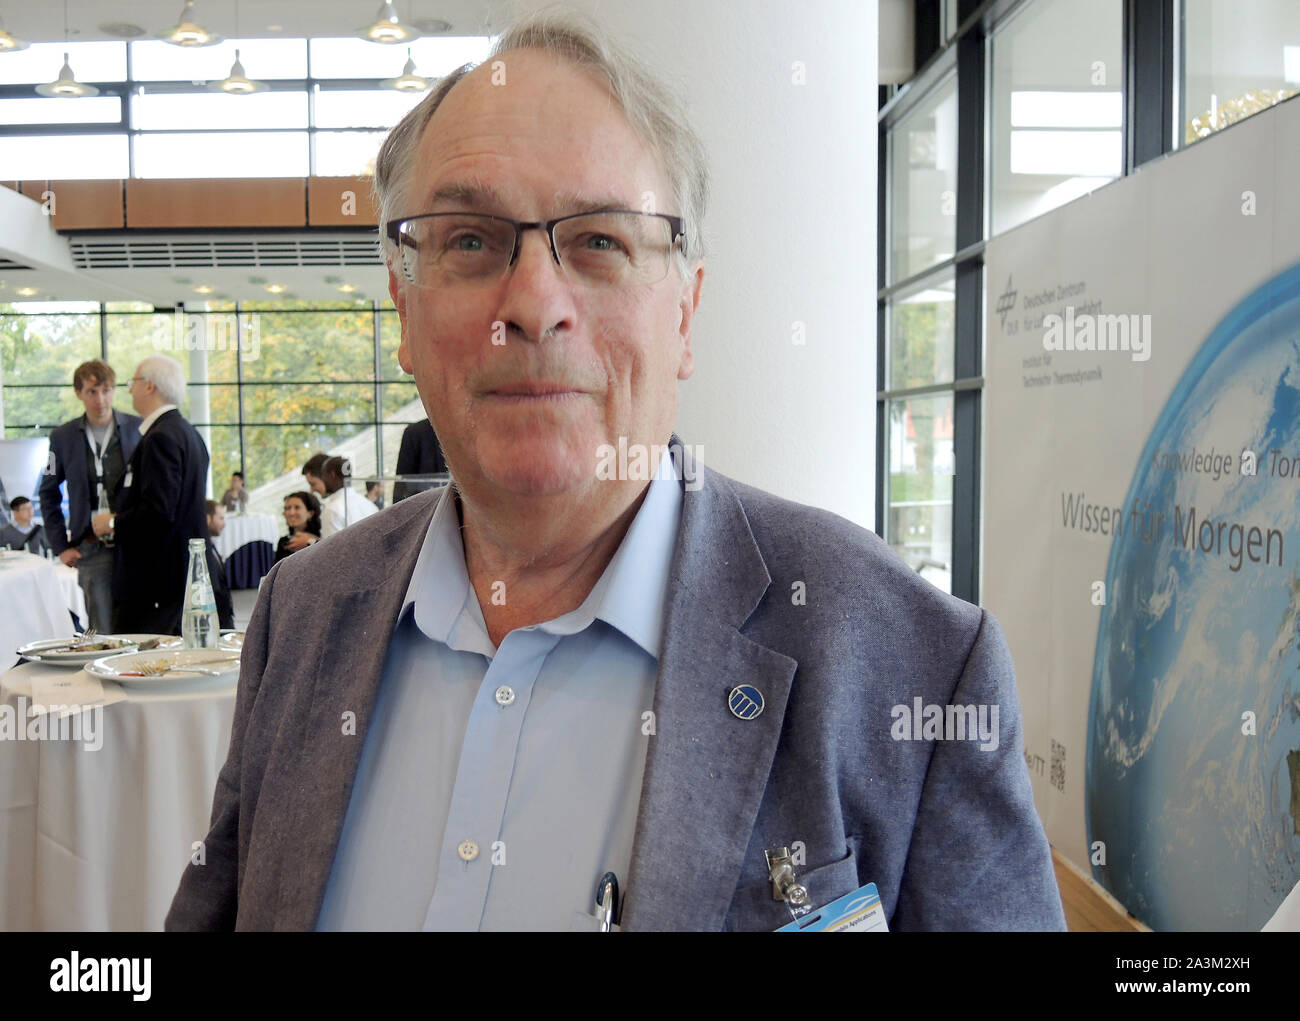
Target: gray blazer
{"points": [[946, 831]]}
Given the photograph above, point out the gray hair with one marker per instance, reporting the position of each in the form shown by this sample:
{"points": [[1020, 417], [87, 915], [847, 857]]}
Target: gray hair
{"points": [[166, 374], [654, 113]]}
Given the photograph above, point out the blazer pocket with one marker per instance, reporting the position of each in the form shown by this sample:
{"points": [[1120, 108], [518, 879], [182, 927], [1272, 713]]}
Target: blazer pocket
{"points": [[753, 908]]}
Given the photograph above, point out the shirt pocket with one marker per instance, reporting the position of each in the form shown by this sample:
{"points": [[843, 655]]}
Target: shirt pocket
{"points": [[753, 908]]}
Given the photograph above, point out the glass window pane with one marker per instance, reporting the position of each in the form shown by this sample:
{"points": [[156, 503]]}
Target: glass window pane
{"points": [[170, 110], [233, 154], [39, 353], [920, 485], [44, 110], [204, 344], [401, 402], [347, 153], [356, 58], [317, 403], [1237, 61], [312, 345], [155, 60], [371, 108], [921, 336], [40, 62], [63, 157], [223, 455], [390, 338], [923, 167], [274, 456], [1055, 107]]}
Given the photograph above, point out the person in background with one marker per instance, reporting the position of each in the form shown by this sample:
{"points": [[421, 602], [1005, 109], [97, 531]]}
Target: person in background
{"points": [[161, 505], [236, 497], [87, 452], [420, 454], [375, 492], [21, 533], [311, 471], [216, 515], [343, 505], [6, 516], [302, 515]]}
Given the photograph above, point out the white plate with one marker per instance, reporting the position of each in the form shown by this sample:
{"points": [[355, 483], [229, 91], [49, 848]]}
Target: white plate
{"points": [[32, 650], [232, 640], [164, 641], [119, 668]]}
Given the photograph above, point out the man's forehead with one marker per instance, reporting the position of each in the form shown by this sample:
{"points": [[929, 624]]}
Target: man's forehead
{"points": [[479, 196]]}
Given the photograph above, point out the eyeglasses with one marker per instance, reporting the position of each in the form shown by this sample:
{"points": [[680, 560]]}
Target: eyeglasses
{"points": [[133, 380], [618, 248]]}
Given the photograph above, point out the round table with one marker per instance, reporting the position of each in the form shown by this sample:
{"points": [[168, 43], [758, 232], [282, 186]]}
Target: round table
{"points": [[247, 545], [34, 602], [97, 839]]}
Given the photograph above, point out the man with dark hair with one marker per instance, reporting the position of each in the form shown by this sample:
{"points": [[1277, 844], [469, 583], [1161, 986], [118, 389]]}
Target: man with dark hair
{"points": [[311, 471], [375, 492], [342, 505], [90, 453], [236, 497], [216, 515], [21, 533]]}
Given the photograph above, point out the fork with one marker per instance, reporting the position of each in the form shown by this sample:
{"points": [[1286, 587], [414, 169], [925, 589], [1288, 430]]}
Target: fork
{"points": [[156, 670]]}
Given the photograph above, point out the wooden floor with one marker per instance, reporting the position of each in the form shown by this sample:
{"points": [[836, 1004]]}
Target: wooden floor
{"points": [[1088, 907]]}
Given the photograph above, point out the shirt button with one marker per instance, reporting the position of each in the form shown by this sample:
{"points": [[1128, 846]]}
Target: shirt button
{"points": [[468, 850], [505, 695]]}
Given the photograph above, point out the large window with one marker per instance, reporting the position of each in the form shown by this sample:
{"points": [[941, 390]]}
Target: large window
{"points": [[269, 383], [324, 112]]}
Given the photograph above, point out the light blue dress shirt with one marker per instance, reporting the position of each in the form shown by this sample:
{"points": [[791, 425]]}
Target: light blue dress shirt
{"points": [[497, 785]]}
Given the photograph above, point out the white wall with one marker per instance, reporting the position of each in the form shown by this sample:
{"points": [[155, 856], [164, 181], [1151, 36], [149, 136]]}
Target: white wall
{"points": [[791, 231]]}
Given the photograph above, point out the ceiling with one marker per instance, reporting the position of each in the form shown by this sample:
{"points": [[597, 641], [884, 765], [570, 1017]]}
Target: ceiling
{"points": [[93, 19]]}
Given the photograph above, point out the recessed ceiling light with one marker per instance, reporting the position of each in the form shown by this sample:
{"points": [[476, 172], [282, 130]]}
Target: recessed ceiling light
{"points": [[27, 292], [275, 28], [276, 288], [203, 289], [347, 288]]}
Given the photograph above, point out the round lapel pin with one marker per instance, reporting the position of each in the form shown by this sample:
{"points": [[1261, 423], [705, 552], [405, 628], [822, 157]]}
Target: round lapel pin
{"points": [[745, 702]]}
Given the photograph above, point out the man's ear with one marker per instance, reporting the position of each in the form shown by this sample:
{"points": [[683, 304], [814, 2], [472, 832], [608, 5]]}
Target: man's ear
{"points": [[397, 289], [689, 305]]}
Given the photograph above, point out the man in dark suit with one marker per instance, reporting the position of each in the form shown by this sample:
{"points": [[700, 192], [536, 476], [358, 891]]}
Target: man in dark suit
{"points": [[87, 452], [420, 454], [21, 533], [216, 515], [161, 505]]}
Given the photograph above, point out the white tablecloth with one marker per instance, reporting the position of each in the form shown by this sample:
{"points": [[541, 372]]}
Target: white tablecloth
{"points": [[72, 594], [246, 528], [98, 839], [33, 604]]}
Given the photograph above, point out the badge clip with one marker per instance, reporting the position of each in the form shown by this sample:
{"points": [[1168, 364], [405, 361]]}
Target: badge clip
{"points": [[785, 884]]}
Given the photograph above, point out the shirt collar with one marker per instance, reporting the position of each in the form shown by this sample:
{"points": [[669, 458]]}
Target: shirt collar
{"points": [[629, 595], [154, 415]]}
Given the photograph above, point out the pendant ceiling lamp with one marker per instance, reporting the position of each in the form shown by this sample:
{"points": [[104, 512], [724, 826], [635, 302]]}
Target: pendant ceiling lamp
{"points": [[66, 86], [237, 83], [387, 28], [187, 31], [9, 43], [408, 80]]}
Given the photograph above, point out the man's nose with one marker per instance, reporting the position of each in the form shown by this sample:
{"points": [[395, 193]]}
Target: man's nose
{"points": [[538, 297]]}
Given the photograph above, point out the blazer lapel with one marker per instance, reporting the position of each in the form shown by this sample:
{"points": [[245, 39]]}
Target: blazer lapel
{"points": [[347, 679], [706, 769]]}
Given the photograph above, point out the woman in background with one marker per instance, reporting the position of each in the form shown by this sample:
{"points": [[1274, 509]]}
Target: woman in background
{"points": [[302, 515]]}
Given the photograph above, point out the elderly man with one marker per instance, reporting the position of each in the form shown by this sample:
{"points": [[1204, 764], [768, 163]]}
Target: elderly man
{"points": [[89, 454], [464, 712], [161, 505]]}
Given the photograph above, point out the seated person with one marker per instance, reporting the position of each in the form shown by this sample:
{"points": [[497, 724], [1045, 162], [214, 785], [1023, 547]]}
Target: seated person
{"points": [[21, 533], [236, 497], [217, 568], [302, 515], [343, 505]]}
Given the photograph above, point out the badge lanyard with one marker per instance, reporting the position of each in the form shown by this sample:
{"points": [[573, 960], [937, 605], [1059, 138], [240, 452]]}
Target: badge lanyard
{"points": [[99, 452]]}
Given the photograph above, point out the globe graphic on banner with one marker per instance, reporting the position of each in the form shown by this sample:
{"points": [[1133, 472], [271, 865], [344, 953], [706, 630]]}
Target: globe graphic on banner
{"points": [[1196, 803]]}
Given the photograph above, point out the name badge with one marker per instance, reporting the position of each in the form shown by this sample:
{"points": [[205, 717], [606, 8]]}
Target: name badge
{"points": [[860, 911]]}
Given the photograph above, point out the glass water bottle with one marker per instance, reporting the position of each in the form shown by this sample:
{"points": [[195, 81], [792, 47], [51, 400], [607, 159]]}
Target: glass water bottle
{"points": [[200, 626], [103, 508]]}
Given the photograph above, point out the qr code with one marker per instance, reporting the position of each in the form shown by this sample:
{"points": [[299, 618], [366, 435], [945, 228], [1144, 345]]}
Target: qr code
{"points": [[1057, 777]]}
